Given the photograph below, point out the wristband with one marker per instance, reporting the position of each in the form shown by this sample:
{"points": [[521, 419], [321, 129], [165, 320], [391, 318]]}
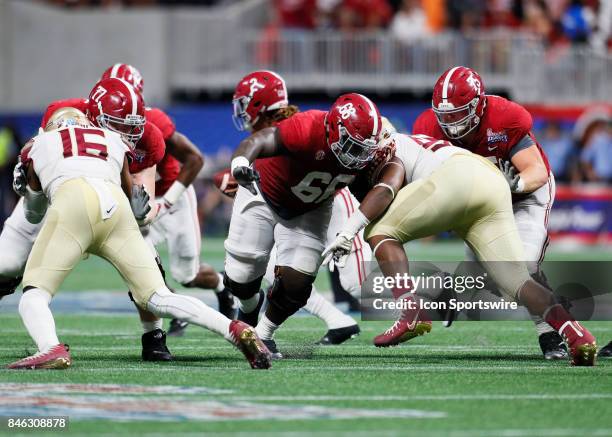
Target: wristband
{"points": [[356, 223], [239, 161], [175, 191]]}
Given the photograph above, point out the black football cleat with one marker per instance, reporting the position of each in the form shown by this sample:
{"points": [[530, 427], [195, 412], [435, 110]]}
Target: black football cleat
{"points": [[177, 328], [271, 345], [154, 346], [553, 347], [252, 317], [227, 306], [606, 351], [339, 335]]}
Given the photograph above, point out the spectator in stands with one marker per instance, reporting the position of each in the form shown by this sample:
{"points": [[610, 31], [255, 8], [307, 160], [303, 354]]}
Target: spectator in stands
{"points": [[410, 22], [577, 22], [560, 149], [296, 14], [364, 14], [538, 19], [465, 15], [596, 156]]}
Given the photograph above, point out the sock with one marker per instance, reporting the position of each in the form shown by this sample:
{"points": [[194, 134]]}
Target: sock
{"points": [[265, 328], [189, 309], [402, 292], [563, 322], [248, 305], [318, 306], [152, 326], [37, 318], [541, 326], [220, 287]]}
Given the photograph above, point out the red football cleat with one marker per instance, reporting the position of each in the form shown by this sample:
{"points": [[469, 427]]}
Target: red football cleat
{"points": [[581, 344], [58, 357], [246, 340], [412, 323]]}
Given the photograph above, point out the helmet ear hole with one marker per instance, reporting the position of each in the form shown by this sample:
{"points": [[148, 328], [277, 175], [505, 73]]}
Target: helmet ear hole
{"points": [[257, 104]]}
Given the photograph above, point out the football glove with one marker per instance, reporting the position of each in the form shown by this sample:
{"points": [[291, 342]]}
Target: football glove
{"points": [[20, 180], [512, 177], [336, 254], [246, 176], [140, 203]]}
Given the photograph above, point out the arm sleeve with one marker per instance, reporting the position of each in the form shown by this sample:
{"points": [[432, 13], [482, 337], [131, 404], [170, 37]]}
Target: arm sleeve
{"points": [[522, 144], [295, 132], [519, 124]]}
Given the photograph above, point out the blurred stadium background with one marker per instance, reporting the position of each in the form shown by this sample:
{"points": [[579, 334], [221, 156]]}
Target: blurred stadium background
{"points": [[553, 56]]}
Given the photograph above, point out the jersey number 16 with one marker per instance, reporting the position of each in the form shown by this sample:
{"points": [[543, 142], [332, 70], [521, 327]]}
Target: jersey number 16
{"points": [[75, 144]]}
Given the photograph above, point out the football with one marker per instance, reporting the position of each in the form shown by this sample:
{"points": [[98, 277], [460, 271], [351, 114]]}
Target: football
{"points": [[224, 181]]}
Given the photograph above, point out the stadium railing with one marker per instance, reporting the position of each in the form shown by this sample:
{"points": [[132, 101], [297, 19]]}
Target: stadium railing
{"points": [[514, 62]]}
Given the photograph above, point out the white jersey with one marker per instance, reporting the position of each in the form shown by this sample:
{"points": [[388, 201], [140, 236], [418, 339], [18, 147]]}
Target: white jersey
{"points": [[75, 152], [421, 155]]}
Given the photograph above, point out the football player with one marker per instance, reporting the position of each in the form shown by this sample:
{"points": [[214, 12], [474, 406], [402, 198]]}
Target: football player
{"points": [[288, 175], [77, 172], [109, 105], [266, 105], [500, 130], [425, 186], [177, 223]]}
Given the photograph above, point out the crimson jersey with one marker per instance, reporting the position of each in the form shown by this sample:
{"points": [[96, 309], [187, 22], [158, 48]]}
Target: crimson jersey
{"points": [[169, 167], [308, 173], [149, 150], [504, 130]]}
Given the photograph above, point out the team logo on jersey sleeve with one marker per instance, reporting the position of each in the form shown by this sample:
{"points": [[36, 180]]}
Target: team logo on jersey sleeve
{"points": [[139, 155], [496, 137]]}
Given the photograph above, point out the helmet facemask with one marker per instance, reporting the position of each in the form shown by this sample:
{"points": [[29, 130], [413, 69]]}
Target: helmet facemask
{"points": [[131, 128], [242, 120], [353, 153], [457, 122]]}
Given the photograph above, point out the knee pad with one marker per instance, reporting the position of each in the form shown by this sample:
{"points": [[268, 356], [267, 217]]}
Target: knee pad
{"points": [[289, 293], [8, 285], [242, 291]]}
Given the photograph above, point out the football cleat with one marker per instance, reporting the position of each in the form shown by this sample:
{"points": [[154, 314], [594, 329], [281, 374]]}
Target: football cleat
{"points": [[271, 345], [606, 351], [252, 317], [552, 346], [177, 328], [154, 346], [227, 306], [339, 335], [581, 344], [412, 323], [252, 347], [58, 357]]}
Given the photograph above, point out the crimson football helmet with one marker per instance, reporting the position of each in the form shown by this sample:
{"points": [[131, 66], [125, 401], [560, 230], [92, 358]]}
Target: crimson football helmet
{"points": [[353, 130], [126, 72], [458, 101], [256, 93], [115, 105]]}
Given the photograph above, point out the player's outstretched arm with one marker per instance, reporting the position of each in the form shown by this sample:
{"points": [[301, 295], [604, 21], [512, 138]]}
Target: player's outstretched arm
{"points": [[192, 160], [374, 204], [262, 144]]}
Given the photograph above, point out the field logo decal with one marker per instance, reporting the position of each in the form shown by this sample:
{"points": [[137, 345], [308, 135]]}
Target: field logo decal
{"points": [[142, 403]]}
